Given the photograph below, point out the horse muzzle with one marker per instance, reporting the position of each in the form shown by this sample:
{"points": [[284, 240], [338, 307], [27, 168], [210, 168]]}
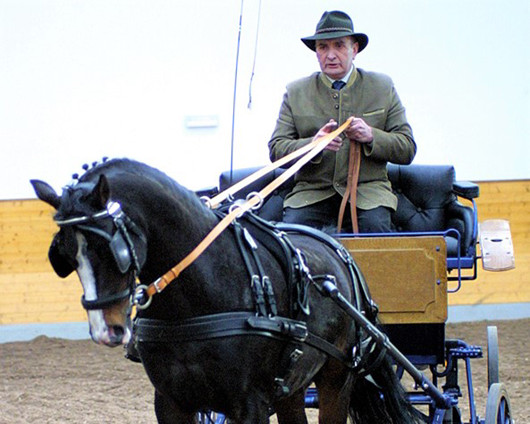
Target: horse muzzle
{"points": [[109, 328], [111, 336]]}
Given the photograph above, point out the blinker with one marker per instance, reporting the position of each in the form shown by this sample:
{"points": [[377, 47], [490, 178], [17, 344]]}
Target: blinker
{"points": [[121, 253], [62, 266]]}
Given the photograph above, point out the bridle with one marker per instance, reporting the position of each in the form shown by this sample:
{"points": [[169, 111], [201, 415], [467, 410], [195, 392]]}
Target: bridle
{"points": [[121, 245]]}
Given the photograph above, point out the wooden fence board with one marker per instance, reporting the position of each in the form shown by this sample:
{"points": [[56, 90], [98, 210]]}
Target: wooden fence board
{"points": [[33, 293]]}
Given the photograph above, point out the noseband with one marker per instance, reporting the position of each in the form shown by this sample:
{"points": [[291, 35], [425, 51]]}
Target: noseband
{"points": [[121, 246]]}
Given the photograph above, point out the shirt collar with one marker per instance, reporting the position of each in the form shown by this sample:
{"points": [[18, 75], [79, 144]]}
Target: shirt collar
{"points": [[345, 78]]}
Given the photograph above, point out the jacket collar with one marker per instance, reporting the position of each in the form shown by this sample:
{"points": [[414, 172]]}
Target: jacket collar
{"points": [[349, 80]]}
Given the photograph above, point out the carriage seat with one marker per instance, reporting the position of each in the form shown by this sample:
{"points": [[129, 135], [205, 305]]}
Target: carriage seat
{"points": [[427, 202]]}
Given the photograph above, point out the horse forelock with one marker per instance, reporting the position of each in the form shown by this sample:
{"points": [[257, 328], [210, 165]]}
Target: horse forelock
{"points": [[72, 203]]}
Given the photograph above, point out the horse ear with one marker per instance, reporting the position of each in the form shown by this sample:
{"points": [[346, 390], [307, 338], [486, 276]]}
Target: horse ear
{"points": [[46, 193], [101, 193]]}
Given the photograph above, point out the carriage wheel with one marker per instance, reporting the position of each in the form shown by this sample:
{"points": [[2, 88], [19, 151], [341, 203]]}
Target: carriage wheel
{"points": [[493, 356], [211, 418], [498, 410]]}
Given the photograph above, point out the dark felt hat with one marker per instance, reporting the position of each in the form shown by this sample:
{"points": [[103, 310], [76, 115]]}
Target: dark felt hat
{"points": [[335, 24]]}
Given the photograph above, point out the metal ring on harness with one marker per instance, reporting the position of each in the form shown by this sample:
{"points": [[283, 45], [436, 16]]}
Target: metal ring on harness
{"points": [[259, 196], [140, 293], [235, 206], [207, 201]]}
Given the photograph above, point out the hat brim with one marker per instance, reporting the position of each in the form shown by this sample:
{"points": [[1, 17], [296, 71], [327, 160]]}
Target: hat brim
{"points": [[361, 38]]}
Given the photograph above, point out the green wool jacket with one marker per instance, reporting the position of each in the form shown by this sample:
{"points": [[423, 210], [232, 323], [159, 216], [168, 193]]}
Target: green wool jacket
{"points": [[309, 103]]}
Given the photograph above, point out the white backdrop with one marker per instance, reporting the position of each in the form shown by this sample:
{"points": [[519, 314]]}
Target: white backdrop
{"points": [[81, 79]]}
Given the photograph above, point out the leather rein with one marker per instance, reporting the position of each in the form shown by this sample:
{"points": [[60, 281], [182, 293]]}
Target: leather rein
{"points": [[254, 201], [144, 293]]}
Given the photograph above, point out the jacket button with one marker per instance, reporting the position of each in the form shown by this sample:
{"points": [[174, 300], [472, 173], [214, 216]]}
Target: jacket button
{"points": [[336, 106], [335, 96]]}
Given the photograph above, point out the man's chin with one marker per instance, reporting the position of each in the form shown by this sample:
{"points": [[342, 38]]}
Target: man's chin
{"points": [[335, 73]]}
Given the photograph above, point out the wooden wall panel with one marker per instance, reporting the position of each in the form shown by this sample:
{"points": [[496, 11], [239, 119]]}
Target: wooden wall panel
{"points": [[32, 293], [30, 290], [503, 200]]}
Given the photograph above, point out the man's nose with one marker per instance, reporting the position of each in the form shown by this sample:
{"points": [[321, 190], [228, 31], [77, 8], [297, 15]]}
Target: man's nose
{"points": [[332, 54]]}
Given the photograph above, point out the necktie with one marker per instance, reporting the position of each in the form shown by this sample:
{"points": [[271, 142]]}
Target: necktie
{"points": [[337, 85]]}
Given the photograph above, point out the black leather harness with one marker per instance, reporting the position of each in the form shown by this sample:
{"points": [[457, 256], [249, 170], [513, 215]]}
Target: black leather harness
{"points": [[264, 321]]}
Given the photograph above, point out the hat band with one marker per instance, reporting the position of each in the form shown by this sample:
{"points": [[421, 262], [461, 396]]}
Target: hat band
{"points": [[334, 29]]}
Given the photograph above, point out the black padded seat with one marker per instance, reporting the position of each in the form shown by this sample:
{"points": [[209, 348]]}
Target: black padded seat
{"points": [[427, 201]]}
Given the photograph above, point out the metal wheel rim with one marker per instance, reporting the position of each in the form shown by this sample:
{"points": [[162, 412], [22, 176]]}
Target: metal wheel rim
{"points": [[493, 356], [498, 409]]}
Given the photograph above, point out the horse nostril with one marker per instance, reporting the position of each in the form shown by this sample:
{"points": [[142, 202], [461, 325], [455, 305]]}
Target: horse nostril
{"points": [[116, 333]]}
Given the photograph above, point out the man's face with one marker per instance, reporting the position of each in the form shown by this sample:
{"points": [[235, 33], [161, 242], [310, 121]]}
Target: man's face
{"points": [[336, 55]]}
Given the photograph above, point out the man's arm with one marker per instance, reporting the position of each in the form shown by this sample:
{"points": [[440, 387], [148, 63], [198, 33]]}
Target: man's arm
{"points": [[395, 143]]}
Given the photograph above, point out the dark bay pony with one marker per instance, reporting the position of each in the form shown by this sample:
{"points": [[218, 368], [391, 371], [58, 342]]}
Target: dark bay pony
{"points": [[205, 342]]}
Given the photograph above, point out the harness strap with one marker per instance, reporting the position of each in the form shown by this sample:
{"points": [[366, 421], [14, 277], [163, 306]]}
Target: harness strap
{"points": [[231, 324], [174, 272], [216, 200], [256, 281], [265, 280], [107, 301], [282, 250], [354, 166], [363, 299]]}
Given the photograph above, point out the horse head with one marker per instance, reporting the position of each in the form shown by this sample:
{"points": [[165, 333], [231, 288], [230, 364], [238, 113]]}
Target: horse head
{"points": [[104, 246]]}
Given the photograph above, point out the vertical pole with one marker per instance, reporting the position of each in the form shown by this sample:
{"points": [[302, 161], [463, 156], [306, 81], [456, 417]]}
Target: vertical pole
{"points": [[235, 95]]}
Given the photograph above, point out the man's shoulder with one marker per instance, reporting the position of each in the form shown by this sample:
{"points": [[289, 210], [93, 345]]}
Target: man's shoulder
{"points": [[375, 78], [304, 83]]}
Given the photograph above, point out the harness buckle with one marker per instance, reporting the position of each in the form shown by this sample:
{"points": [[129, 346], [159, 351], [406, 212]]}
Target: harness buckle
{"points": [[157, 286]]}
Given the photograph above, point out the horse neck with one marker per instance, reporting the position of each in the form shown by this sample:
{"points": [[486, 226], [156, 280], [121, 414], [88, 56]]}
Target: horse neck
{"points": [[215, 282], [176, 223]]}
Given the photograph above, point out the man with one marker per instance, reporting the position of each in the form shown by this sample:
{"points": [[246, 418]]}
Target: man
{"points": [[315, 105]]}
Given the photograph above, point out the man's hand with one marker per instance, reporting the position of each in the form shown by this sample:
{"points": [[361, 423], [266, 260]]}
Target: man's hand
{"points": [[335, 144], [359, 131]]}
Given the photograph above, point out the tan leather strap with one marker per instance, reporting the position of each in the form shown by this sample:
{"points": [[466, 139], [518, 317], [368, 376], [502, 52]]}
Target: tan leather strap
{"points": [[316, 147], [354, 165], [216, 200]]}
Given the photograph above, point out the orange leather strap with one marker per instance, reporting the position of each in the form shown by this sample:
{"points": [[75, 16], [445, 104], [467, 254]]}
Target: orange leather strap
{"points": [[216, 200], [311, 150], [354, 165]]}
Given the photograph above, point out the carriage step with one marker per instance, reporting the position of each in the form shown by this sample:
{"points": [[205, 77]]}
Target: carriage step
{"points": [[496, 245], [466, 352]]}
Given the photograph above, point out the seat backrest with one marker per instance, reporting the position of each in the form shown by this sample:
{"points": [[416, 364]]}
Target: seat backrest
{"points": [[426, 200], [423, 193]]}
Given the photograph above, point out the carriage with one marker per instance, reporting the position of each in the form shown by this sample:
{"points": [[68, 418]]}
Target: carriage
{"points": [[411, 272], [117, 223]]}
